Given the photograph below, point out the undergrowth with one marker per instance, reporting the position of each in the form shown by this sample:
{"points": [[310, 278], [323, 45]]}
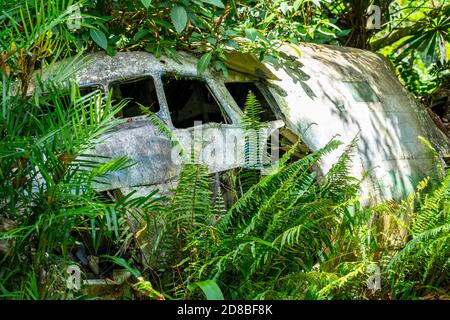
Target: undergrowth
{"points": [[287, 234]]}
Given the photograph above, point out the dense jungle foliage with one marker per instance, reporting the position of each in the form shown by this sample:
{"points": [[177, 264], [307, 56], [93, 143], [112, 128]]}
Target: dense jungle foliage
{"points": [[286, 235]]}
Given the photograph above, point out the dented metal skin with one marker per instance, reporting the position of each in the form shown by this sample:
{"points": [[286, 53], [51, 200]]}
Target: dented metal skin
{"points": [[324, 93]]}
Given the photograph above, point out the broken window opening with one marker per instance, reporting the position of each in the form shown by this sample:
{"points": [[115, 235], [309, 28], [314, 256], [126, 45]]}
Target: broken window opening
{"points": [[84, 91], [190, 100], [138, 92], [287, 140], [239, 92], [92, 92]]}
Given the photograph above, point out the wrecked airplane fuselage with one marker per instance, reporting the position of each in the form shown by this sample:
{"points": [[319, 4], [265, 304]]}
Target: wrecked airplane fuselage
{"points": [[199, 111], [328, 91], [345, 91]]}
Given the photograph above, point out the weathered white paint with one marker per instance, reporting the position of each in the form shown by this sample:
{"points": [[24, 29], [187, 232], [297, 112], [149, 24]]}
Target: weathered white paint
{"points": [[316, 100], [318, 103]]}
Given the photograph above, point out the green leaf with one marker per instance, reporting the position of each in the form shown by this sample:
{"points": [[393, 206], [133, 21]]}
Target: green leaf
{"points": [[414, 43], [179, 18], [219, 65], [442, 48], [233, 44], [110, 51], [123, 263], [204, 62], [99, 38], [156, 50], [209, 288], [284, 7], [430, 49], [297, 51], [217, 3], [140, 34], [251, 33], [163, 23], [146, 3], [343, 33], [297, 4]]}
